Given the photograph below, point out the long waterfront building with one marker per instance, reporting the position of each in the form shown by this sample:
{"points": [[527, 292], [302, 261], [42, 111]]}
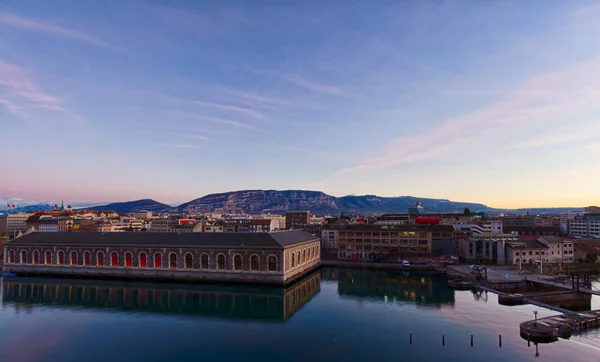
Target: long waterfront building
{"points": [[270, 258]]}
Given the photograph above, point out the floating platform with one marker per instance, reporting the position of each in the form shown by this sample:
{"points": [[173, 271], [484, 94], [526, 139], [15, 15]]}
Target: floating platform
{"points": [[462, 284], [549, 329]]}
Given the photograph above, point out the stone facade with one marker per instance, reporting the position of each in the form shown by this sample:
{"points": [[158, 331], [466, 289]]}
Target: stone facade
{"points": [[194, 263]]}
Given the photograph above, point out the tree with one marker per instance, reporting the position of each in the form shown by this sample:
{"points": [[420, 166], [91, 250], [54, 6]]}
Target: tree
{"points": [[467, 212], [591, 258]]}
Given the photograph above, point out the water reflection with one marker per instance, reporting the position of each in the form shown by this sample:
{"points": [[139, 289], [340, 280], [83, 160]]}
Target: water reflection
{"points": [[237, 302], [388, 285]]}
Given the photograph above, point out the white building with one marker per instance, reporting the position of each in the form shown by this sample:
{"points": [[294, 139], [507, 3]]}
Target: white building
{"points": [[546, 249], [329, 239], [11, 224], [586, 227]]}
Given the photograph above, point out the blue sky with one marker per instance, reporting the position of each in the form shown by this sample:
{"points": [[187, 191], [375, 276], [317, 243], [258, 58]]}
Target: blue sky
{"points": [[492, 102]]}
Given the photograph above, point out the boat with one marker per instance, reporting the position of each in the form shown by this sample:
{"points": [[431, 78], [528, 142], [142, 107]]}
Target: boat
{"points": [[8, 275]]}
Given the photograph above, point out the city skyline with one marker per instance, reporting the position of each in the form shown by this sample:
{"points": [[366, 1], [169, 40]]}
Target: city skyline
{"points": [[475, 102]]}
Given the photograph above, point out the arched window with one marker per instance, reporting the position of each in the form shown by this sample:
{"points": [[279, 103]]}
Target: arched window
{"points": [[114, 259], [309, 254], [11, 256], [221, 262], [143, 260], [36, 257], [298, 258], [87, 258], [189, 261], [237, 262], [293, 260], [158, 260], [61, 257], [23, 257], [313, 252], [304, 255], [517, 261], [100, 258], [48, 257], [254, 262], [172, 260], [272, 261], [73, 257], [128, 259], [204, 261]]}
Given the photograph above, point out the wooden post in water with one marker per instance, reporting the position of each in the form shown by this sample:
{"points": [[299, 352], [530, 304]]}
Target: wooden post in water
{"points": [[443, 339], [528, 340], [500, 340], [410, 337], [471, 340]]}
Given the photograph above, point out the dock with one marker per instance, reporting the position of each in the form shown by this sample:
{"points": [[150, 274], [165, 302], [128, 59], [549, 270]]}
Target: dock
{"points": [[549, 329]]}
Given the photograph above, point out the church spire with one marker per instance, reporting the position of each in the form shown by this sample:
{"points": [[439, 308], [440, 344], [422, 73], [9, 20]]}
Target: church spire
{"points": [[62, 205]]}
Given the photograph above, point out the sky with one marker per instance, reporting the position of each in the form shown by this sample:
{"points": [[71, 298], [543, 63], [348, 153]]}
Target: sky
{"points": [[495, 102]]}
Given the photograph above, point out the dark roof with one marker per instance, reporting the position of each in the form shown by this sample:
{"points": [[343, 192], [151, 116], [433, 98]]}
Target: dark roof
{"points": [[273, 240]]}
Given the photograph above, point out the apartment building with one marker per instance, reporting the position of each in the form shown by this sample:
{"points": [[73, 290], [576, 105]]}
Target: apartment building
{"points": [[390, 242], [586, 226], [297, 219], [12, 224]]}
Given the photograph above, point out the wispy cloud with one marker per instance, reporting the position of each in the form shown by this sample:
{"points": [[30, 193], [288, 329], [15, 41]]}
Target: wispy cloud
{"points": [[270, 102], [558, 95], [217, 120], [313, 86], [204, 104], [178, 145], [191, 136], [22, 95], [564, 135], [15, 21]]}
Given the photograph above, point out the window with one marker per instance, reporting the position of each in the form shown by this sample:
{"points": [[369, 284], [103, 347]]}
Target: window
{"points": [[61, 257], [530, 252], [87, 258], [204, 261], [293, 260], [172, 260], [73, 257], [48, 257], [221, 262], [517, 261], [36, 257], [128, 259], [189, 261], [11, 256], [143, 260], [100, 258], [304, 255], [298, 257], [237, 262], [114, 259], [254, 262], [158, 260], [272, 261], [23, 257]]}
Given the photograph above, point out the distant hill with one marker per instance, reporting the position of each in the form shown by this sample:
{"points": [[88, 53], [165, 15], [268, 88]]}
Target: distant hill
{"points": [[131, 206], [42, 207], [318, 203]]}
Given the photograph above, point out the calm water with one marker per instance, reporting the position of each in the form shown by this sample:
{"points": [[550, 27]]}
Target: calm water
{"points": [[333, 315]]}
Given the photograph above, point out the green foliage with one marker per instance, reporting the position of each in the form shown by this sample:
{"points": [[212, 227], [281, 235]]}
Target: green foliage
{"points": [[591, 258], [467, 212]]}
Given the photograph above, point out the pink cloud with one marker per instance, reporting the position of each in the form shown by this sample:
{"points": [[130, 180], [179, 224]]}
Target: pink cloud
{"points": [[18, 22], [22, 95], [562, 94]]}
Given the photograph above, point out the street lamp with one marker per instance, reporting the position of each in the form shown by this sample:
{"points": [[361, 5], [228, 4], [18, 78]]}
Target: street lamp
{"points": [[535, 312]]}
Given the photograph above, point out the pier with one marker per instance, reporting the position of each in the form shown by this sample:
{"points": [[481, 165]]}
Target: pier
{"points": [[549, 329]]}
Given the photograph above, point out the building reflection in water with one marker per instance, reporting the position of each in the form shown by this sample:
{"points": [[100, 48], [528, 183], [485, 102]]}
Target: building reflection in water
{"points": [[242, 302], [391, 285]]}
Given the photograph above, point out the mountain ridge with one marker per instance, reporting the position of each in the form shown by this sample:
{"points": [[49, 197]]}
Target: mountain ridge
{"points": [[317, 202]]}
